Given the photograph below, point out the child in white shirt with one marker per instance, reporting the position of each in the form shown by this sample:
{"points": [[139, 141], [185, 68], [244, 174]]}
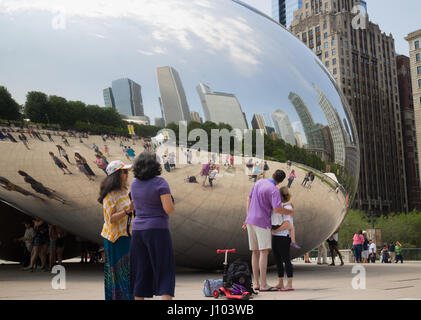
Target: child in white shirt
{"points": [[279, 224]]}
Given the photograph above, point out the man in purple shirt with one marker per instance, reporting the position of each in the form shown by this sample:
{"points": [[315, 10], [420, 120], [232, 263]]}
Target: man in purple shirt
{"points": [[264, 198], [205, 171]]}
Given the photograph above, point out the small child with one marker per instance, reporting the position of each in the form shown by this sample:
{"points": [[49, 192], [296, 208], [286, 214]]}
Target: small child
{"points": [[212, 174], [277, 219]]}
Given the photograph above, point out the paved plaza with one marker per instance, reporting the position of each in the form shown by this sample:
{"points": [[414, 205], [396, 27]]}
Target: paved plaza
{"points": [[312, 282]]}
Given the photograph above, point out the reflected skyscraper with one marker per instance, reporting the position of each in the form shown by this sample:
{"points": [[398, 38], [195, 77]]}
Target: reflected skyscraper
{"points": [[109, 98], [283, 126], [127, 97], [270, 128], [173, 99], [258, 123], [283, 10], [299, 139], [336, 130], [311, 130], [194, 116], [220, 107]]}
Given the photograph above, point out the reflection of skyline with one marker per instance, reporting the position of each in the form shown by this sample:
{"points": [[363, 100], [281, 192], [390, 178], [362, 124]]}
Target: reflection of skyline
{"points": [[283, 126], [221, 107], [125, 96], [173, 99], [335, 127], [312, 130]]}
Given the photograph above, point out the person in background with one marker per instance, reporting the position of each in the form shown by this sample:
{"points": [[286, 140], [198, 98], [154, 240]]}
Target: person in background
{"points": [[212, 175], [60, 164], [152, 255], [205, 172], [392, 252], [365, 252], [358, 241], [117, 206], [291, 178], [398, 250], [27, 239], [40, 244], [322, 253], [100, 163], [385, 254], [333, 247], [372, 252], [61, 234], [52, 232], [265, 169], [307, 257]]}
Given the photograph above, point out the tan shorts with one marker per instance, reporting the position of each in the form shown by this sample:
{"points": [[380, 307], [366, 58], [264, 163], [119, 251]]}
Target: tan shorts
{"points": [[259, 238]]}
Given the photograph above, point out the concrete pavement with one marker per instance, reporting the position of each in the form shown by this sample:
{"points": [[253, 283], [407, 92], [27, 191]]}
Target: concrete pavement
{"points": [[312, 282]]}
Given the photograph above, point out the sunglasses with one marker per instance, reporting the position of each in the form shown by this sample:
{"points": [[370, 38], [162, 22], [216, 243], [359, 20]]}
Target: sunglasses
{"points": [[125, 171]]}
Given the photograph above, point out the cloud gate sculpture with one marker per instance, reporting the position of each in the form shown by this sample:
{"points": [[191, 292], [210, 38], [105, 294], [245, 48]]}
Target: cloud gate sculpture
{"points": [[165, 59]]}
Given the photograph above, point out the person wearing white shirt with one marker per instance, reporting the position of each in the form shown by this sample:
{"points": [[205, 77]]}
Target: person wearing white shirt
{"points": [[372, 251]]}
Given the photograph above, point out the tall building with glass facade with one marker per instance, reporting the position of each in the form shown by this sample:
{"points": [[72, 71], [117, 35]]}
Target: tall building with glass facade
{"points": [[362, 61], [283, 10], [174, 105], [283, 127], [220, 107], [108, 98], [125, 96]]}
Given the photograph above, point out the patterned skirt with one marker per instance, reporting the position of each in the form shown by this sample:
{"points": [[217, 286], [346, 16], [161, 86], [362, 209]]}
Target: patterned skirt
{"points": [[117, 269]]}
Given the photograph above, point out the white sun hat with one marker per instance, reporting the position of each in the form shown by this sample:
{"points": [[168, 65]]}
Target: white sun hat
{"points": [[116, 165]]}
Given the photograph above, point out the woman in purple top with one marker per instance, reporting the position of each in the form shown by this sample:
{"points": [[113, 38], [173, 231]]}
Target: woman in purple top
{"points": [[151, 256]]}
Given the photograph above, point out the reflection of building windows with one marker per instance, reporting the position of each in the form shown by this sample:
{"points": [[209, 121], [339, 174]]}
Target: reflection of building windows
{"points": [[418, 57], [417, 44], [335, 71], [333, 52]]}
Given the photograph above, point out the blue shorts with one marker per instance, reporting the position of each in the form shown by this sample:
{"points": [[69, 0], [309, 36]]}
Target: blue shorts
{"points": [[152, 263], [41, 241]]}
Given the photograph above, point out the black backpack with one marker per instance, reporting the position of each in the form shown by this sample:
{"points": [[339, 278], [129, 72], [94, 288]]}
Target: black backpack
{"points": [[192, 179], [239, 273]]}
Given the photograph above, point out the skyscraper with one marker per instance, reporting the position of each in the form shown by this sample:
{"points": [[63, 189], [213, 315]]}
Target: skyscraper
{"points": [[283, 10], [363, 63], [414, 41], [173, 99], [409, 133], [283, 126], [220, 107], [126, 96], [109, 98]]}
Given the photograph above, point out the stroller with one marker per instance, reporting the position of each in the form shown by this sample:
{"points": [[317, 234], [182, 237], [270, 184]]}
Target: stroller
{"points": [[235, 287]]}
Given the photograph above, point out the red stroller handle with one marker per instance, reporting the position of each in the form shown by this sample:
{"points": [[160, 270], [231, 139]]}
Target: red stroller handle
{"points": [[225, 250]]}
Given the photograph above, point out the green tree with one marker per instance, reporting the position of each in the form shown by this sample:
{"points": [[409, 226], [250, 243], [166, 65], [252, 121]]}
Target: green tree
{"points": [[36, 107], [9, 108]]}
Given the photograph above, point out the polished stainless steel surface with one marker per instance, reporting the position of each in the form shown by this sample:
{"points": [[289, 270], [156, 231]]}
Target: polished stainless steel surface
{"points": [[249, 64]]}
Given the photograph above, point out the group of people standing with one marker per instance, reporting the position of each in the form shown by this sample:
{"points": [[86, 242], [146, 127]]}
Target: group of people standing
{"points": [[365, 250], [41, 240], [139, 258]]}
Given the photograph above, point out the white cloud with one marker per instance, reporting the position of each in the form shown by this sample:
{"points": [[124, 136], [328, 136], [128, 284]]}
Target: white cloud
{"points": [[176, 21]]}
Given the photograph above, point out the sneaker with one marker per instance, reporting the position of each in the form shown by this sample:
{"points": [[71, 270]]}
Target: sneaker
{"points": [[295, 245]]}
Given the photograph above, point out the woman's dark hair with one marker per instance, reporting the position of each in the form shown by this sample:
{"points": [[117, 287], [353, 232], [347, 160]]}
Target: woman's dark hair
{"points": [[109, 184], [146, 166]]}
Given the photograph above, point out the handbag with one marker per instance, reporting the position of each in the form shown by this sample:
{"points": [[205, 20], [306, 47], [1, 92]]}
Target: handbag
{"points": [[210, 286]]}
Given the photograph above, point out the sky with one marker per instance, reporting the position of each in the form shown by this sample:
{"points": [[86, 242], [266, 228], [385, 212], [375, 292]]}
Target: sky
{"points": [[397, 17]]}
